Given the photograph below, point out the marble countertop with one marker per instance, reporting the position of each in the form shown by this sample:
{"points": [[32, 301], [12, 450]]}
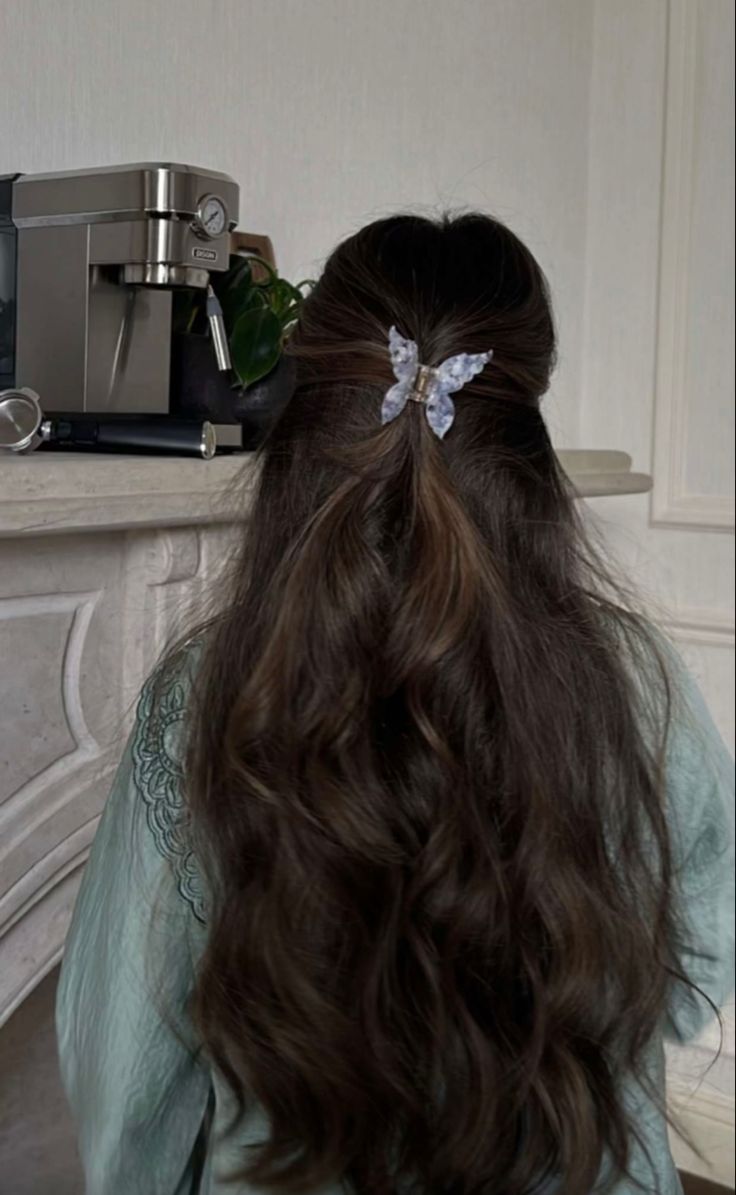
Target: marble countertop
{"points": [[47, 493]]}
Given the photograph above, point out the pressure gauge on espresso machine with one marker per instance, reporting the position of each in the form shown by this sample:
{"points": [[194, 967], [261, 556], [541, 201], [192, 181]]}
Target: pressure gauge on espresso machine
{"points": [[210, 219]]}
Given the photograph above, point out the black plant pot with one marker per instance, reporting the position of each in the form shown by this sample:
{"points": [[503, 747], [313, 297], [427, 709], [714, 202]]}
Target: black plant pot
{"points": [[200, 391]]}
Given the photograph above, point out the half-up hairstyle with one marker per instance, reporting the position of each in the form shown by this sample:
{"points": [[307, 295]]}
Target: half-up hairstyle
{"points": [[424, 782]]}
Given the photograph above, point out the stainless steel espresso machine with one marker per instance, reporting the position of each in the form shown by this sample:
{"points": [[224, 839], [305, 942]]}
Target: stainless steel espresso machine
{"points": [[98, 256]]}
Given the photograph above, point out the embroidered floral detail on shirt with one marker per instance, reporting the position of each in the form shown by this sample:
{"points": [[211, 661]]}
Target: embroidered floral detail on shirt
{"points": [[158, 776]]}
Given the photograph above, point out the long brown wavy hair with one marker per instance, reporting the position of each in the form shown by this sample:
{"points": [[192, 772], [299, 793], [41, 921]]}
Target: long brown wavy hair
{"points": [[425, 782]]}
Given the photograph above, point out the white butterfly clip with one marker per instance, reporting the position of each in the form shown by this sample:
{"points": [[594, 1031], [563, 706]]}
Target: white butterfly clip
{"points": [[431, 387]]}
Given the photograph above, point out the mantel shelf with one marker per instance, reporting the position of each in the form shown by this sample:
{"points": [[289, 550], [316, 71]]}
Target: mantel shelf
{"points": [[45, 493]]}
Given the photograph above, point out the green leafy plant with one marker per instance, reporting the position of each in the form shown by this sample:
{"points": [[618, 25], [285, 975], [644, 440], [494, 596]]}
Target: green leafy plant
{"points": [[258, 309]]}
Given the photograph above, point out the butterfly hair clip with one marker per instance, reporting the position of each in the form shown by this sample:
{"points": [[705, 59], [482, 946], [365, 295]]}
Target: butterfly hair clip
{"points": [[431, 386]]}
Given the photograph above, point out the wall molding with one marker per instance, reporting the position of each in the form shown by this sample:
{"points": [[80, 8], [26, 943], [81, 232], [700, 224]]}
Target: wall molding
{"points": [[35, 943], [672, 504], [31, 797], [703, 626]]}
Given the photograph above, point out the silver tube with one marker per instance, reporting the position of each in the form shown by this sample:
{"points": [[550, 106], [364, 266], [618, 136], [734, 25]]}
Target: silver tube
{"points": [[217, 330]]}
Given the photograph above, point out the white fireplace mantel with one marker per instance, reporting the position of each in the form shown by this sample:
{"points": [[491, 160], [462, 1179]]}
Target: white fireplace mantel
{"points": [[45, 493], [99, 558]]}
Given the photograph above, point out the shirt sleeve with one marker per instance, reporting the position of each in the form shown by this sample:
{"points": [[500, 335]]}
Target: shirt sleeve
{"points": [[138, 1092], [701, 809]]}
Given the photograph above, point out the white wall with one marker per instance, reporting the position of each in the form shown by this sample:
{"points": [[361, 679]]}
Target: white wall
{"points": [[327, 112], [657, 358]]}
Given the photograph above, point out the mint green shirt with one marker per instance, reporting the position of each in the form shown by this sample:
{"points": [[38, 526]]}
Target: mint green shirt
{"points": [[149, 1111]]}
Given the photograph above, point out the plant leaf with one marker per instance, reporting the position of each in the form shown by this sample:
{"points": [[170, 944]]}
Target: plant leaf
{"points": [[235, 302], [255, 344], [238, 274], [291, 316], [280, 297], [271, 275]]}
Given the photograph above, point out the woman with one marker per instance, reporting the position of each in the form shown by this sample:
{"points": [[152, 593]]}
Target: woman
{"points": [[420, 849]]}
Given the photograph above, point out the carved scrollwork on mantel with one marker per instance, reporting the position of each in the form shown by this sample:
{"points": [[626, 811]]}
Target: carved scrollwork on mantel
{"points": [[163, 582], [67, 617], [83, 618], [32, 942], [46, 748]]}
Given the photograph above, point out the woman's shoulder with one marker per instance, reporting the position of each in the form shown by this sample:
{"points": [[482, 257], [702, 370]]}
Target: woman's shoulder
{"points": [[165, 702], [680, 733], [669, 695], [698, 767], [158, 765], [694, 742]]}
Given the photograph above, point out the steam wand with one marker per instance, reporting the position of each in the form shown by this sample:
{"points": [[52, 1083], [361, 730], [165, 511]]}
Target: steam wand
{"points": [[217, 328]]}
